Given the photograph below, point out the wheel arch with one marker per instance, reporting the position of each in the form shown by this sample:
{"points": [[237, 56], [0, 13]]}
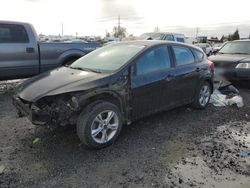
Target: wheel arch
{"points": [[108, 96], [69, 55]]}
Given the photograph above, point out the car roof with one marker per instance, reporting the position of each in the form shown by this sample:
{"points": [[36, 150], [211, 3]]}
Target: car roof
{"points": [[13, 22], [151, 43]]}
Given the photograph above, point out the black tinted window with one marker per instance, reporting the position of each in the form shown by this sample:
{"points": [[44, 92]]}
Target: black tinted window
{"points": [[180, 39], [199, 55], [13, 34], [154, 60], [183, 55]]}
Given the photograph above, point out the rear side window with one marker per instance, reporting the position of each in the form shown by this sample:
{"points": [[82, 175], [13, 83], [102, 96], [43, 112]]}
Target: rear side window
{"points": [[10, 33], [199, 55], [153, 60], [183, 55], [169, 38]]}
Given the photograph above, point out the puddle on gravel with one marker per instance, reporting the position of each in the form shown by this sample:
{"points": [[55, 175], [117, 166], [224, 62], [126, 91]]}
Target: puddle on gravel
{"points": [[222, 160], [176, 150], [196, 173]]}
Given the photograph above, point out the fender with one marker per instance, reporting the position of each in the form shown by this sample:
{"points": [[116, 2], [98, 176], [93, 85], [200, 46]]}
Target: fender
{"points": [[120, 95], [70, 53]]}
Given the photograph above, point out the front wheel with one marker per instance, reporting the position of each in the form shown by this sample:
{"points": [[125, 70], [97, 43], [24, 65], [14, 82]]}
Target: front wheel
{"points": [[99, 124], [203, 95]]}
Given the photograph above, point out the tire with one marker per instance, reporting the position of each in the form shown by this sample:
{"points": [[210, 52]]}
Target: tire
{"points": [[198, 102], [93, 127]]}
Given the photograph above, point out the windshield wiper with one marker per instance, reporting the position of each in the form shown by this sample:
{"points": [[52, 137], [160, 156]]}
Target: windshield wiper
{"points": [[85, 69]]}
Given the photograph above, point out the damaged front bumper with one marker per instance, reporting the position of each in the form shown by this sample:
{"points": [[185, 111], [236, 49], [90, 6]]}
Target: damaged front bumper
{"points": [[58, 112], [24, 109]]}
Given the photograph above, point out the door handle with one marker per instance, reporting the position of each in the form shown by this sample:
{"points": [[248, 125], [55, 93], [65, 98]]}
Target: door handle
{"points": [[30, 50], [170, 77]]}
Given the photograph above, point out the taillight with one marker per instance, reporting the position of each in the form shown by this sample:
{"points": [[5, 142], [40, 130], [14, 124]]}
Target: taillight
{"points": [[211, 64]]}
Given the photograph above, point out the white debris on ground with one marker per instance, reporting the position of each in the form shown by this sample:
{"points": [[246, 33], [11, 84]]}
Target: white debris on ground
{"points": [[225, 94], [219, 99], [2, 167]]}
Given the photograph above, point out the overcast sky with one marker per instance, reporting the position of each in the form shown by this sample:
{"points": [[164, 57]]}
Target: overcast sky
{"points": [[95, 17]]}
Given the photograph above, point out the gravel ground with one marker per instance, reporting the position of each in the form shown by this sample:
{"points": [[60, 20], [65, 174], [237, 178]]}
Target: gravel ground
{"points": [[179, 148]]}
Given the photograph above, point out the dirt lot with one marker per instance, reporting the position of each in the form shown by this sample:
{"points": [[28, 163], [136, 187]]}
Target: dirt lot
{"points": [[180, 148]]}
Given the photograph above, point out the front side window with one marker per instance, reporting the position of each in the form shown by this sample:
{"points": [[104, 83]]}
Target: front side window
{"points": [[153, 60], [183, 55], [10, 33]]}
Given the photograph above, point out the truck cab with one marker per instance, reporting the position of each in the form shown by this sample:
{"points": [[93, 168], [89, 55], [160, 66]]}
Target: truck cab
{"points": [[18, 50]]}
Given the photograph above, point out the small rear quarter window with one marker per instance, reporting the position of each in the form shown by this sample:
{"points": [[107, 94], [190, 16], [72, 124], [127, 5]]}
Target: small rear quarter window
{"points": [[199, 55]]}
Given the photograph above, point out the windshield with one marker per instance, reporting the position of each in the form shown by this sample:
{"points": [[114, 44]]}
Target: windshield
{"points": [[217, 44], [236, 48], [108, 58], [152, 36]]}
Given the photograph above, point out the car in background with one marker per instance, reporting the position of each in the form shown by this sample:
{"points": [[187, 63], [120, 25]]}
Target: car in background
{"points": [[233, 60], [114, 85], [207, 48], [163, 36]]}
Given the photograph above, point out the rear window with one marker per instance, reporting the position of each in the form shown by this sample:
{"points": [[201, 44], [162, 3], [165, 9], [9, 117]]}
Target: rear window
{"points": [[199, 55], [10, 33]]}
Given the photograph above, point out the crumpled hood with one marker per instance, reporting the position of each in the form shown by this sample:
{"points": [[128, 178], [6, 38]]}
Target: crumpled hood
{"points": [[229, 58], [57, 81]]}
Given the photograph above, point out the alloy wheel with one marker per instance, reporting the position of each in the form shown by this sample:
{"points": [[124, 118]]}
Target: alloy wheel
{"points": [[204, 95], [104, 126]]}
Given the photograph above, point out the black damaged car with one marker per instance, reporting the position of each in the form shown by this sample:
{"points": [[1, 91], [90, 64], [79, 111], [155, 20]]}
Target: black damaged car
{"points": [[116, 85]]}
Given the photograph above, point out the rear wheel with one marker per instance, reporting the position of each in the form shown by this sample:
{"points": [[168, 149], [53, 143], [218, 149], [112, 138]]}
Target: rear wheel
{"points": [[203, 95], [99, 124]]}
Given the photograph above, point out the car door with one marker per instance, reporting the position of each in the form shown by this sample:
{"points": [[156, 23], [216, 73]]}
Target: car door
{"points": [[186, 74], [151, 82], [18, 55]]}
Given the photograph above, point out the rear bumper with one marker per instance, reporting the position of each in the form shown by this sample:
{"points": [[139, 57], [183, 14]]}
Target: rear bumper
{"points": [[35, 117]]}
